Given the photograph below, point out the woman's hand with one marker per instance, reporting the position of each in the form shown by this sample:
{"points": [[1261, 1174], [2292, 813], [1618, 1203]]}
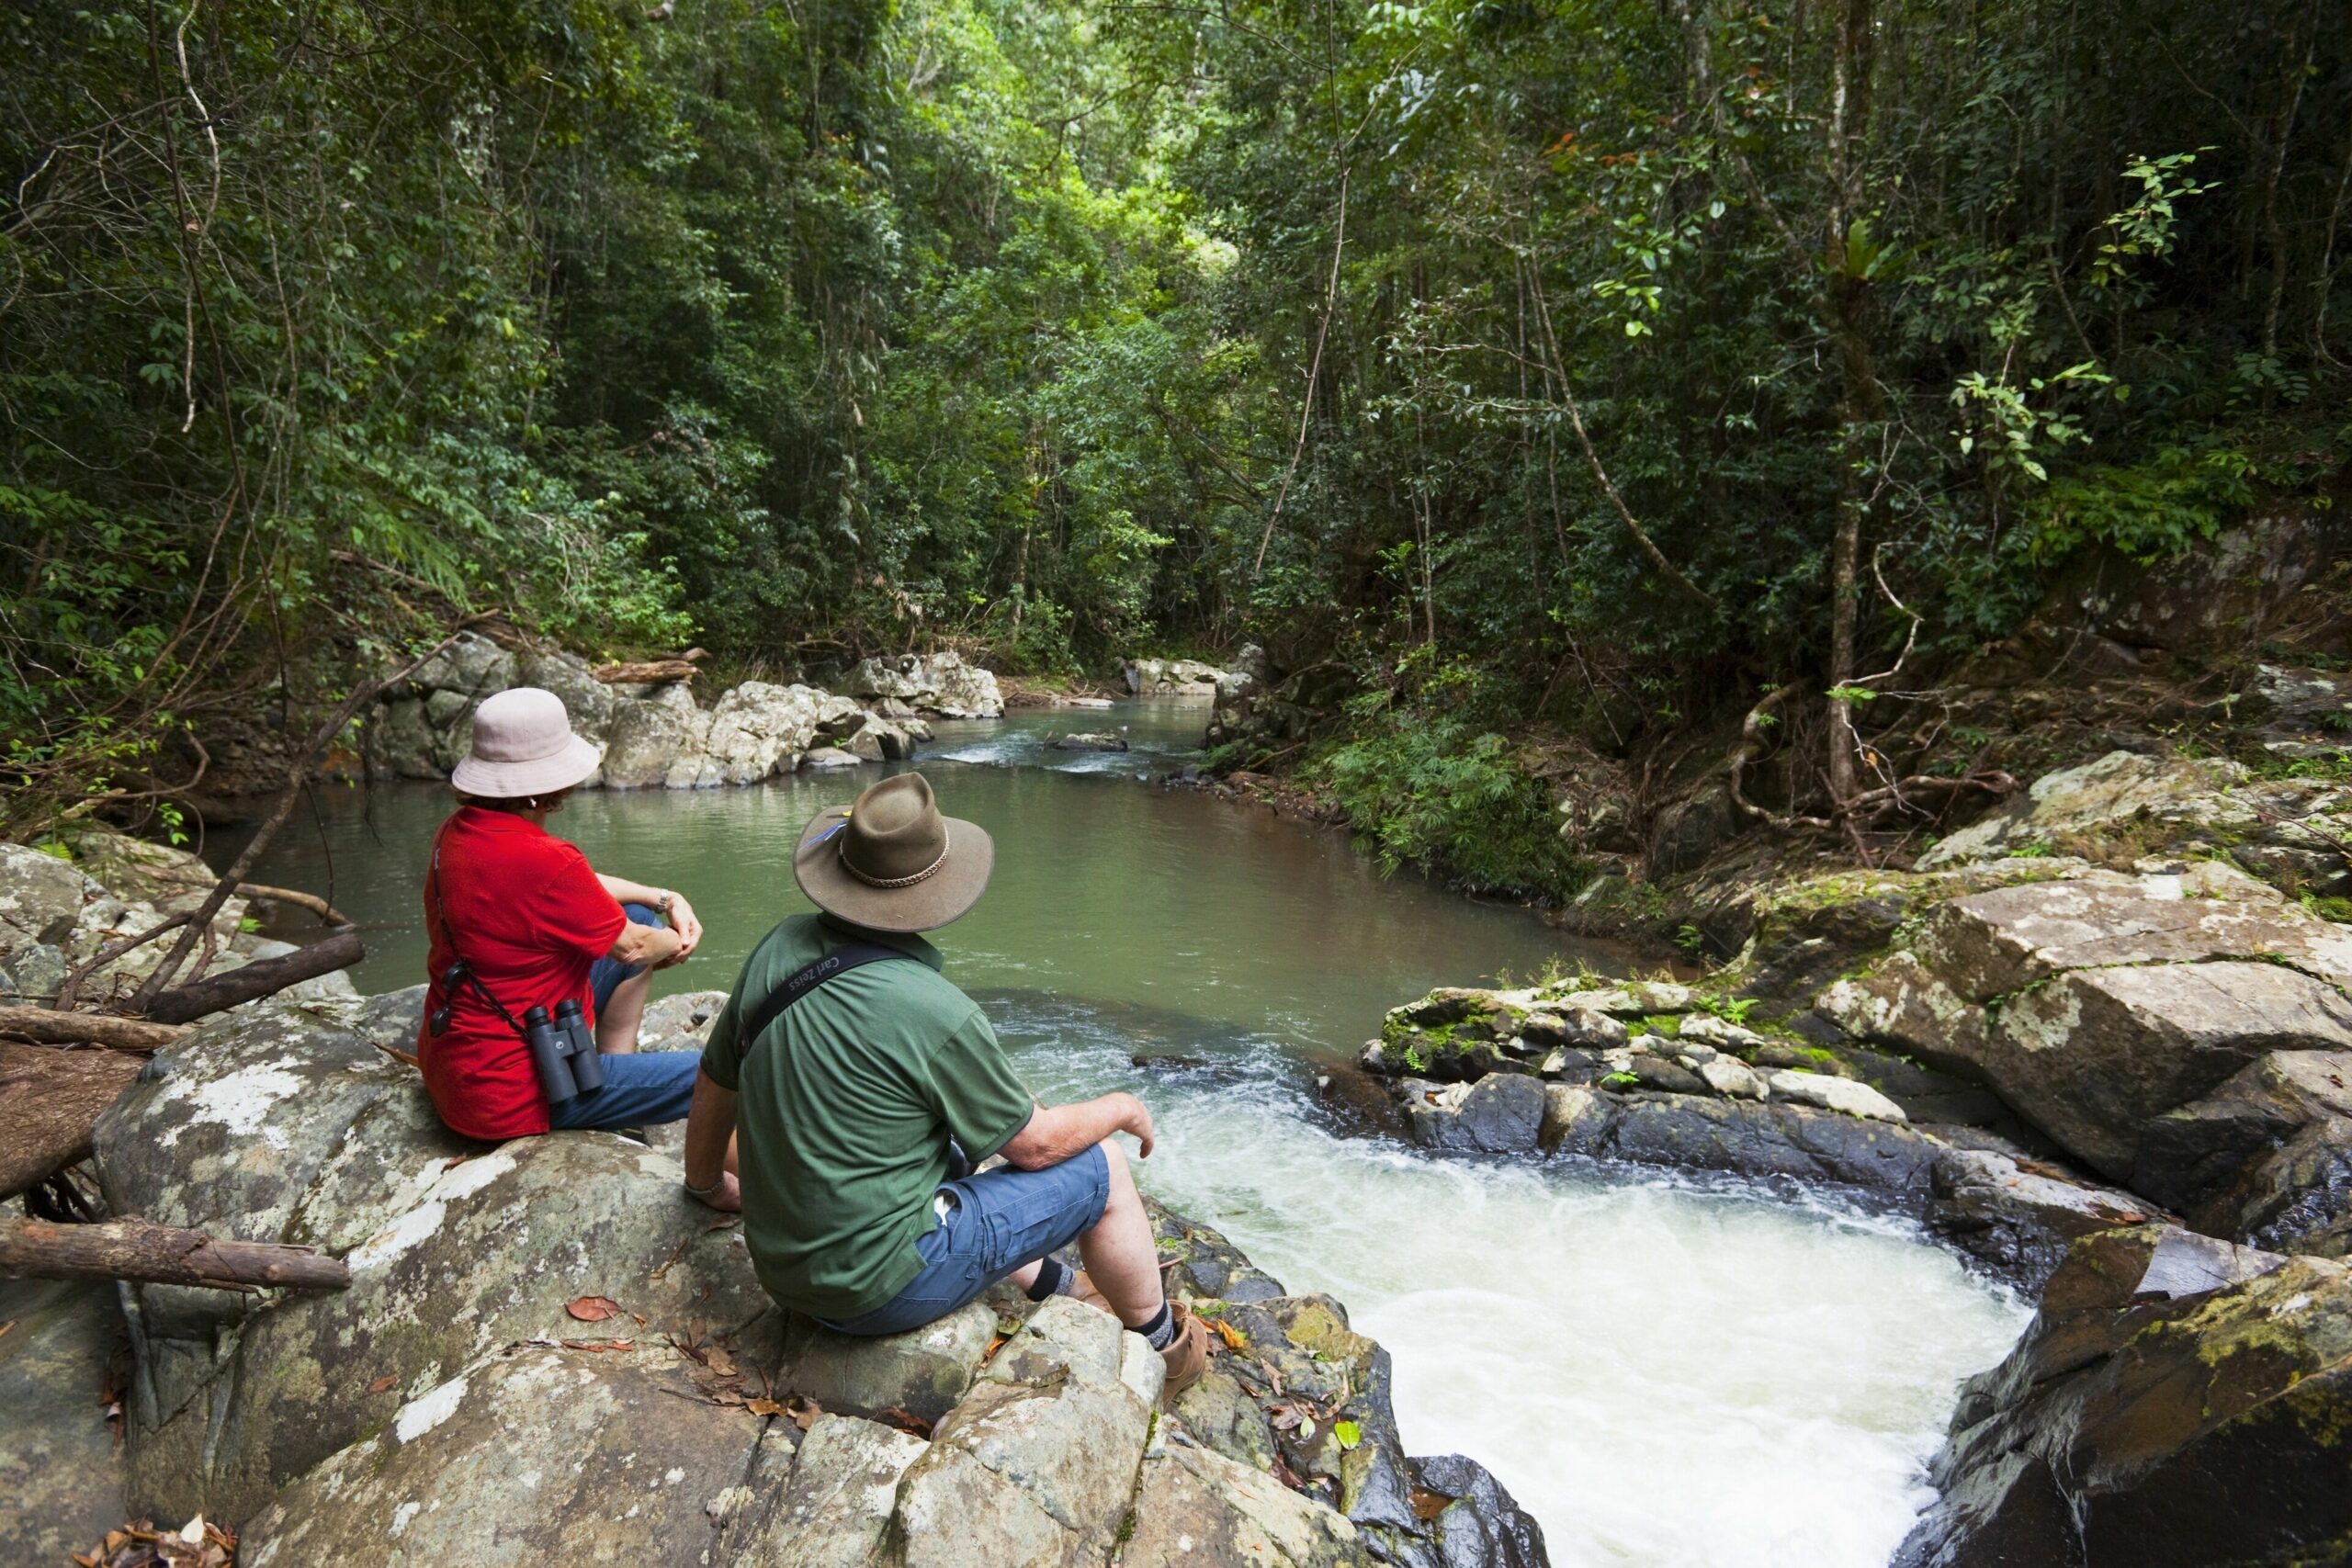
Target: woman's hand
{"points": [[727, 1197], [683, 922]]}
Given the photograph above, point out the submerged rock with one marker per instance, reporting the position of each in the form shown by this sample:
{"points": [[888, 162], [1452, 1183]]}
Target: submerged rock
{"points": [[1091, 740], [2177, 1400]]}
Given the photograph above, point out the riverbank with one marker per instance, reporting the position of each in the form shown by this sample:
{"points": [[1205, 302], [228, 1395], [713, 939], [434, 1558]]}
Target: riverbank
{"points": [[2121, 1088]]}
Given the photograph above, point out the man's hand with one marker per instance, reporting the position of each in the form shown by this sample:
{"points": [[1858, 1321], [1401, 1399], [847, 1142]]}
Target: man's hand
{"points": [[727, 1197], [683, 922], [1138, 1121]]}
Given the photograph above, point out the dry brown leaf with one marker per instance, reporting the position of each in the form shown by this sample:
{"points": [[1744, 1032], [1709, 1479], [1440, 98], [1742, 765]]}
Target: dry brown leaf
{"points": [[598, 1344], [594, 1309], [764, 1408], [1272, 1377], [720, 1362], [7, 1326], [804, 1411], [382, 1383], [1234, 1338], [906, 1420]]}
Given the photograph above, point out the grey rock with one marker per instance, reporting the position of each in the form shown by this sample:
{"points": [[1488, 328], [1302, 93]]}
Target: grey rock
{"points": [[1225, 1416], [60, 1469], [1744, 1138], [2266, 1157], [42, 899], [1731, 1077], [755, 731], [1658, 1073], [1091, 740], [2119, 790], [1842, 1095], [1201, 1509], [283, 1122], [1038, 1463], [646, 739], [401, 742], [1498, 1114], [680, 1021], [1999, 943], [2132, 1424], [935, 682], [2019, 1215], [923, 1372], [879, 740], [1483, 1526], [141, 871], [825, 1506], [823, 759], [472, 666], [538, 1455], [2094, 1056]]}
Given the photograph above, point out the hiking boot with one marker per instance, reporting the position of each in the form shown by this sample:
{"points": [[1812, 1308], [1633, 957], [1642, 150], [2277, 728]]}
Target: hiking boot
{"points": [[1187, 1355], [1082, 1288]]}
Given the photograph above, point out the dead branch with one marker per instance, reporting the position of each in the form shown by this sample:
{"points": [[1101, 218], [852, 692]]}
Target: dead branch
{"points": [[1752, 746], [328, 914], [647, 672], [137, 1249], [72, 989], [263, 977], [49, 1026]]}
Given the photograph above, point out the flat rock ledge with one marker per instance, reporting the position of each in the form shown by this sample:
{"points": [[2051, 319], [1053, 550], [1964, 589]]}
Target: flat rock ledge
{"points": [[549, 1354], [2127, 1092]]}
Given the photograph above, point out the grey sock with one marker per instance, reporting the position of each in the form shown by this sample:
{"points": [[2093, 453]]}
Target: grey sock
{"points": [[1161, 1332]]}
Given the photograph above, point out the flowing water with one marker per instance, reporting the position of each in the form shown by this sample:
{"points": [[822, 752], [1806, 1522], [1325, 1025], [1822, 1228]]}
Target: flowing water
{"points": [[1667, 1374]]}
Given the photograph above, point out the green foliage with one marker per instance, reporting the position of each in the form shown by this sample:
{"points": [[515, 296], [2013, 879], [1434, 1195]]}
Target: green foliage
{"points": [[1432, 790]]}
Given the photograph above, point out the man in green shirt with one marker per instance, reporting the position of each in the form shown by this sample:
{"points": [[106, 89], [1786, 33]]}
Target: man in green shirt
{"points": [[850, 1071]]}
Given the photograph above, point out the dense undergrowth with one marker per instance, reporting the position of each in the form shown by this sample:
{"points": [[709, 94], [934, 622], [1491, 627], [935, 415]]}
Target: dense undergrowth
{"points": [[1627, 360]]}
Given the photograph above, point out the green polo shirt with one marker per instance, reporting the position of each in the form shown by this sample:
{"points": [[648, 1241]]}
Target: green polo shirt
{"points": [[847, 1103]]}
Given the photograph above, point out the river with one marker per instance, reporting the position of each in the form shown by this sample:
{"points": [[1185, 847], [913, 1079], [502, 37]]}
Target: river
{"points": [[1668, 1374]]}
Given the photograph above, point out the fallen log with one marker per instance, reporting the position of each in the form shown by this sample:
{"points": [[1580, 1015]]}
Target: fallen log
{"points": [[647, 672], [48, 1026], [137, 1249], [266, 976], [49, 1100], [328, 914]]}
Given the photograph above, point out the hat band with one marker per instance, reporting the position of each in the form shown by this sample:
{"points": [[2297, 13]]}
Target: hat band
{"points": [[925, 873]]}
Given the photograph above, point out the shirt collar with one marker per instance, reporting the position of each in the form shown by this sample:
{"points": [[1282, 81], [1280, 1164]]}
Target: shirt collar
{"points": [[489, 819], [907, 942]]}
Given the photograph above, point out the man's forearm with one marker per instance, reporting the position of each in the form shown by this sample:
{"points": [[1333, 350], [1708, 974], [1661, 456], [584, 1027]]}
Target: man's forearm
{"points": [[1057, 1132], [710, 1121]]}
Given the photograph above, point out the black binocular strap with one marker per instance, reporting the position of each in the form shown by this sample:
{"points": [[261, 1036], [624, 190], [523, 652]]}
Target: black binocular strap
{"points": [[800, 982]]}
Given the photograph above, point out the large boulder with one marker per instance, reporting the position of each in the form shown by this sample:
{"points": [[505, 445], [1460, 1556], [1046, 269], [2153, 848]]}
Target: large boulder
{"points": [[285, 1122], [43, 900], [2177, 1402], [547, 1353], [756, 731], [587, 702], [931, 683], [650, 737]]}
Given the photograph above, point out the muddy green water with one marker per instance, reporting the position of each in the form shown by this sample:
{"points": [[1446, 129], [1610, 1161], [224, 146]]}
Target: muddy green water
{"points": [[1668, 1374]]}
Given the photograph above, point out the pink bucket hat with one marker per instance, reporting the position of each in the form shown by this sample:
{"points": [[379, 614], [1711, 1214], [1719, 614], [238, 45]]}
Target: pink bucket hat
{"points": [[523, 745]]}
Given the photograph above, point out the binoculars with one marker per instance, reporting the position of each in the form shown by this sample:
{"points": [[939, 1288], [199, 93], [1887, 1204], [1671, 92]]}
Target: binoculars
{"points": [[563, 1051]]}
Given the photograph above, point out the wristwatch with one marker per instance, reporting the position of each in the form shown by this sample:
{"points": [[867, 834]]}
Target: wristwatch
{"points": [[716, 1182]]}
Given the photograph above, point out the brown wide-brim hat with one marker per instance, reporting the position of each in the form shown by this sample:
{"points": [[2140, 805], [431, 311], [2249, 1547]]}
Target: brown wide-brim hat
{"points": [[889, 861]]}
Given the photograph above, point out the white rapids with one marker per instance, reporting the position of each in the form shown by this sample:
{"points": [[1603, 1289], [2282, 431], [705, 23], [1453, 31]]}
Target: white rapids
{"points": [[1665, 1374]]}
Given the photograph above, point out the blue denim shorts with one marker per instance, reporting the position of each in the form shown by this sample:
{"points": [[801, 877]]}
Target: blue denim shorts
{"points": [[995, 1222], [641, 1089], [604, 975]]}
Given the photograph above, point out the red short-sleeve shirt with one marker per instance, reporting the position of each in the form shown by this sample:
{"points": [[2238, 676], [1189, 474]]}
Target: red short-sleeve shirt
{"points": [[529, 916]]}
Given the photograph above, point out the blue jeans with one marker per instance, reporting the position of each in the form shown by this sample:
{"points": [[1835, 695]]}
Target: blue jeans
{"points": [[640, 1087], [604, 975], [995, 1222]]}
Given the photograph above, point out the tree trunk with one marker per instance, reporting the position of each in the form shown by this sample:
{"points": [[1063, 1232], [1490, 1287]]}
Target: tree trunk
{"points": [[647, 672], [49, 1098], [187, 1003], [46, 1026], [1844, 303], [136, 1249]]}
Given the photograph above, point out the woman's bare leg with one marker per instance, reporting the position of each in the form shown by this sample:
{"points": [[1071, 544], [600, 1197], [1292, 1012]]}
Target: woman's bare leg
{"points": [[617, 1020]]}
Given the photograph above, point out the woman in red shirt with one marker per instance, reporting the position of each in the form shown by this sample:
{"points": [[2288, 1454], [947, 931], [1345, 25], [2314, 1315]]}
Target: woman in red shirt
{"points": [[534, 926]]}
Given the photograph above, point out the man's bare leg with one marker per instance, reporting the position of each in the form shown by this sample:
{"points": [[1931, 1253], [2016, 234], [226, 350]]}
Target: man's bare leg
{"points": [[617, 1020], [1121, 1257]]}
